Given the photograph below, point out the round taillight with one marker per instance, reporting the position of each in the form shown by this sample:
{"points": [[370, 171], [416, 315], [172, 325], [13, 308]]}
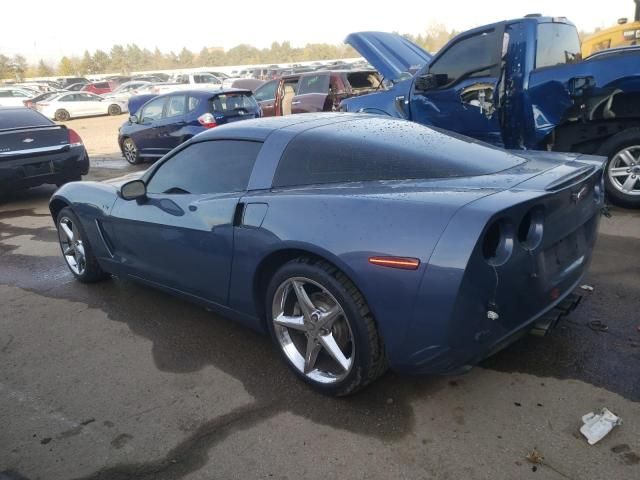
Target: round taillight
{"points": [[497, 244], [531, 229]]}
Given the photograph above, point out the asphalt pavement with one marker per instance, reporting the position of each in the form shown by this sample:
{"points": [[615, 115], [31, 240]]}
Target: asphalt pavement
{"points": [[118, 381]]}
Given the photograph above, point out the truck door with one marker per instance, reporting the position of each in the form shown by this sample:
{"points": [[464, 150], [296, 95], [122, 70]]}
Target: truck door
{"points": [[459, 89]]}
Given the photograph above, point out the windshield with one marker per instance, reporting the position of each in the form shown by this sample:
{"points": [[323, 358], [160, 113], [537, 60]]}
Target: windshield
{"points": [[558, 44]]}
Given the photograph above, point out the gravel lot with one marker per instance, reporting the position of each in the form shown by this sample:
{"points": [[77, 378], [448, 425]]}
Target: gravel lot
{"points": [[100, 135], [117, 381]]}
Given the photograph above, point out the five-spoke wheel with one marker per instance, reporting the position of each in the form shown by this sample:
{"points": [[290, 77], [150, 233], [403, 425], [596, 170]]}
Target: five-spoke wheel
{"points": [[312, 330], [323, 327], [76, 249], [72, 247]]}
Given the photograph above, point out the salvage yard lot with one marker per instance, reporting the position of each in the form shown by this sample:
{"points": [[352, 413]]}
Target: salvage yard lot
{"points": [[118, 381]]}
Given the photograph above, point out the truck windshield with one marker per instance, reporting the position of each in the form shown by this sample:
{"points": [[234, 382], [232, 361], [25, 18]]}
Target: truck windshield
{"points": [[558, 44]]}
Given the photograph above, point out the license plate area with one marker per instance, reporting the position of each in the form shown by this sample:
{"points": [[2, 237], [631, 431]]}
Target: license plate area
{"points": [[566, 255], [38, 169]]}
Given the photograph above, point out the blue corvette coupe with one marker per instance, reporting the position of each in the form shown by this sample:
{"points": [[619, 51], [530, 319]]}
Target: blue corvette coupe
{"points": [[358, 242], [165, 121]]}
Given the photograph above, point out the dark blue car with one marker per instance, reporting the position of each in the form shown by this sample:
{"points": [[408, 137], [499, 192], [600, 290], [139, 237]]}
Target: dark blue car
{"points": [[163, 122], [357, 241]]}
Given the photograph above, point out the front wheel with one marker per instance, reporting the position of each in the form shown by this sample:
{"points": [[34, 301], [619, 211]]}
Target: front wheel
{"points": [[114, 110], [622, 176], [323, 328], [130, 151], [76, 250]]}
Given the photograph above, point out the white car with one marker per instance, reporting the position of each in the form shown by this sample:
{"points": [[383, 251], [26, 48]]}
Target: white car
{"points": [[79, 104], [14, 96], [127, 90]]}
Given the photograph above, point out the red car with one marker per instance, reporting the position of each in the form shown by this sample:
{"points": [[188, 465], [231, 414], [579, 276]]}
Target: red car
{"points": [[320, 91], [99, 87]]}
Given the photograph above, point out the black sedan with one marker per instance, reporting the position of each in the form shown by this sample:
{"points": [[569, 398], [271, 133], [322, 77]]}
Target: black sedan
{"points": [[34, 151]]}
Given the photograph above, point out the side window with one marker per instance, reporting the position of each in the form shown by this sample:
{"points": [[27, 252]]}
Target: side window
{"points": [[5, 93], [266, 91], [153, 110], [468, 55], [193, 104], [175, 106], [218, 166], [90, 98], [558, 44], [67, 98], [313, 84], [18, 93]]}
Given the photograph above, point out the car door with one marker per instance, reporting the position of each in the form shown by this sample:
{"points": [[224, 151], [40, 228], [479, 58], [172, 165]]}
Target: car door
{"points": [[95, 104], [146, 136], [83, 105], [459, 89], [265, 95], [181, 235], [312, 93], [170, 128]]}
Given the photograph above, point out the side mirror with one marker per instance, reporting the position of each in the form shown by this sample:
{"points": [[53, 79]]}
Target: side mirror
{"points": [[578, 86], [133, 119], [430, 80], [133, 190]]}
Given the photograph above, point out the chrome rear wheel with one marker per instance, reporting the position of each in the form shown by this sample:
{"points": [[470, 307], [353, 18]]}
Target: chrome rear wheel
{"points": [[312, 330]]}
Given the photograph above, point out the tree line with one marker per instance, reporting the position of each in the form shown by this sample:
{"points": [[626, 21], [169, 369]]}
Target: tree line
{"points": [[127, 58]]}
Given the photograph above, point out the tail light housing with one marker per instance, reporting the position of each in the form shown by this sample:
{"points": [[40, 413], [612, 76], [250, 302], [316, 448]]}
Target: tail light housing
{"points": [[531, 229], [497, 243], [207, 120], [74, 138]]}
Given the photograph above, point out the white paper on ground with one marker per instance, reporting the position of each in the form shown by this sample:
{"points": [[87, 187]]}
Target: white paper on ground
{"points": [[598, 424]]}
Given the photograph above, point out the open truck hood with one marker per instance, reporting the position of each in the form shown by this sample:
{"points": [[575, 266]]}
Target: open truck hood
{"points": [[391, 54]]}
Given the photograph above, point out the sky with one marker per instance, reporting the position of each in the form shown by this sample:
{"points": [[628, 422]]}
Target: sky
{"points": [[55, 30]]}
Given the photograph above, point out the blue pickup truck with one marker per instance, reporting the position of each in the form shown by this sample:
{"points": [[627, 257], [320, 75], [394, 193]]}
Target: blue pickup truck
{"points": [[519, 84]]}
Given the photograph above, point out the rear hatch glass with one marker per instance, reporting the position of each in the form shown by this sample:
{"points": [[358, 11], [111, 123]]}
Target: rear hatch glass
{"points": [[229, 107]]}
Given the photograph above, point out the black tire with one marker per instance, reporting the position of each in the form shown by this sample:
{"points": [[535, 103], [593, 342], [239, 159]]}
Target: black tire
{"points": [[610, 148], [114, 110], [62, 115], [92, 272], [130, 151], [370, 360]]}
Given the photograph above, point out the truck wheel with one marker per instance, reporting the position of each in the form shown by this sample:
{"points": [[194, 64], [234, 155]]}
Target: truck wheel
{"points": [[622, 175]]}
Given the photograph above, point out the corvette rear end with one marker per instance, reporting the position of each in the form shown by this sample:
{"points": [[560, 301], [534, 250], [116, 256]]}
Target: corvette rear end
{"points": [[524, 263]]}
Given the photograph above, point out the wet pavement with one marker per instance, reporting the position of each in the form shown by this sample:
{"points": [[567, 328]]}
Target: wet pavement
{"points": [[118, 381]]}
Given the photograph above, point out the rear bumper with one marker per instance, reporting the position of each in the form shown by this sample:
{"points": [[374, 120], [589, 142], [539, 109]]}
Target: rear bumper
{"points": [[447, 360], [32, 171]]}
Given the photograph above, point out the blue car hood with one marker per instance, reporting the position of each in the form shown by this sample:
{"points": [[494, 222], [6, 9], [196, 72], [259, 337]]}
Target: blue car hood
{"points": [[391, 54]]}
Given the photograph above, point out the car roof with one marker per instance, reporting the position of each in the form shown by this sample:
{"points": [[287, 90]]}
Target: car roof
{"points": [[260, 128]]}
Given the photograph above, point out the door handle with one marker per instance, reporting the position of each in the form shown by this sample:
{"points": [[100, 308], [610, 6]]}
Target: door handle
{"points": [[297, 102], [268, 106]]}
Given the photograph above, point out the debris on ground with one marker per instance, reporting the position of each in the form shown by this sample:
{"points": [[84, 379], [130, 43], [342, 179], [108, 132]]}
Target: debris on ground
{"points": [[598, 424], [535, 457], [598, 326], [587, 288]]}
